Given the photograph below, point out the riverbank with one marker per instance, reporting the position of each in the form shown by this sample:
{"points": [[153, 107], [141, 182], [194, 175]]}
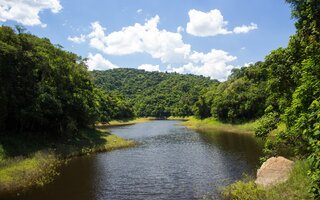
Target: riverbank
{"points": [[28, 161], [214, 124], [296, 187], [123, 122]]}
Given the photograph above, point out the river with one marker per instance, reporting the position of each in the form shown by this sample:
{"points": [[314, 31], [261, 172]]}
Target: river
{"points": [[171, 162]]}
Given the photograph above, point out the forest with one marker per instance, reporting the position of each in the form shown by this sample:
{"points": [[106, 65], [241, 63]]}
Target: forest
{"points": [[46, 90], [153, 94]]}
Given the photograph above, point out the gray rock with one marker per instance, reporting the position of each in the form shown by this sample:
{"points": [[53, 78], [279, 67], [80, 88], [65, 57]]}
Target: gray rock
{"points": [[275, 170]]}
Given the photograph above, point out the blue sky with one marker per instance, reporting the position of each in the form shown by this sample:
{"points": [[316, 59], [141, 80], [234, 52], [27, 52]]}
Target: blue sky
{"points": [[192, 36]]}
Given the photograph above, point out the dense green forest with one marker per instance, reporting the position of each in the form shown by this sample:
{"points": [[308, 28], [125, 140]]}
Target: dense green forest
{"points": [[154, 94], [46, 89]]}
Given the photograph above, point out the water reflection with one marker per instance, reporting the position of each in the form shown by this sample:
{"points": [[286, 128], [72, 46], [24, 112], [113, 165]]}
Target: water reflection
{"points": [[244, 144]]}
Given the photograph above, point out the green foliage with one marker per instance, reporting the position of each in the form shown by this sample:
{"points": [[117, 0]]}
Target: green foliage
{"points": [[45, 89], [266, 124], [280, 84], [244, 191], [297, 73], [201, 108], [303, 118], [42, 87], [153, 94], [112, 107], [240, 99]]}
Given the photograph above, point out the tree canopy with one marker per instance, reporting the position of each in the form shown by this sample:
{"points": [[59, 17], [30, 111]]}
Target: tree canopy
{"points": [[154, 94], [46, 89]]}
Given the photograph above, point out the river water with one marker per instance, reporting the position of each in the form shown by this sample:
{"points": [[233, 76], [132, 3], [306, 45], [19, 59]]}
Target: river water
{"points": [[171, 162]]}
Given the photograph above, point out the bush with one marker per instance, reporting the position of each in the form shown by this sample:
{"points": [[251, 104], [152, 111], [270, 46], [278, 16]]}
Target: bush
{"points": [[242, 190], [266, 124]]}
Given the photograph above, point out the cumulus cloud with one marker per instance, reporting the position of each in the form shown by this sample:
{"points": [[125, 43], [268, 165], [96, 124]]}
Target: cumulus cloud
{"points": [[180, 29], [248, 64], [27, 12], [77, 39], [213, 64], [141, 38], [245, 28], [149, 68], [206, 24], [98, 62], [166, 46], [139, 11], [212, 23]]}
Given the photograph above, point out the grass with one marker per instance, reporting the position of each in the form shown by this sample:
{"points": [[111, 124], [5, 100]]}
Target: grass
{"points": [[91, 141], [178, 118], [123, 122], [295, 188], [212, 123], [23, 172], [27, 161]]}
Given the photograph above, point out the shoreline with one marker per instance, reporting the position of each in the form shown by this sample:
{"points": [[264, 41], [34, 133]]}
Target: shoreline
{"points": [[246, 188], [115, 123], [22, 172], [214, 124]]}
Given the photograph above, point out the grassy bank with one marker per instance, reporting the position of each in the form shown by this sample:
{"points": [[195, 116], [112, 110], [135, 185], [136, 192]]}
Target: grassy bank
{"points": [[295, 188], [27, 161], [214, 124], [123, 122]]}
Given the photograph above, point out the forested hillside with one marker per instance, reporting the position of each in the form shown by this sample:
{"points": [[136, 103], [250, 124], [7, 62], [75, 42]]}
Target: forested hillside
{"points": [[46, 89], [154, 94]]}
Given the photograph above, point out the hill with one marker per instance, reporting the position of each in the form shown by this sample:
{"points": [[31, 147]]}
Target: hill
{"points": [[154, 94]]}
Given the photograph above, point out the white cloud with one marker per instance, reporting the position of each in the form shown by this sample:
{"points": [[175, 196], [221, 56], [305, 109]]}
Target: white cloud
{"points": [[149, 68], [27, 12], [212, 23], [98, 62], [180, 29], [248, 64], [213, 64], [206, 24], [245, 28], [160, 44], [77, 39], [146, 38], [139, 11]]}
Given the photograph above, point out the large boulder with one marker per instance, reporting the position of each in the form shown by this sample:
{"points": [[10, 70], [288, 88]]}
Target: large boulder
{"points": [[275, 170]]}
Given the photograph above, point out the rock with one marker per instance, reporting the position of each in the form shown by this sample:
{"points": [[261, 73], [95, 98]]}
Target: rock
{"points": [[275, 170]]}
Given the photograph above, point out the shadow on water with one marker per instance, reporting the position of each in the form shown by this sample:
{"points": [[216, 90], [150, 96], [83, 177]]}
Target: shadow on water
{"points": [[247, 145], [26, 144]]}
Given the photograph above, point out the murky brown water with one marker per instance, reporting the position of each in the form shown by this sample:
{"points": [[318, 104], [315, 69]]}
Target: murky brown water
{"points": [[172, 162]]}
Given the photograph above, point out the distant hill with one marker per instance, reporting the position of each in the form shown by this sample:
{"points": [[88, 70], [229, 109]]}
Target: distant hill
{"points": [[155, 94]]}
